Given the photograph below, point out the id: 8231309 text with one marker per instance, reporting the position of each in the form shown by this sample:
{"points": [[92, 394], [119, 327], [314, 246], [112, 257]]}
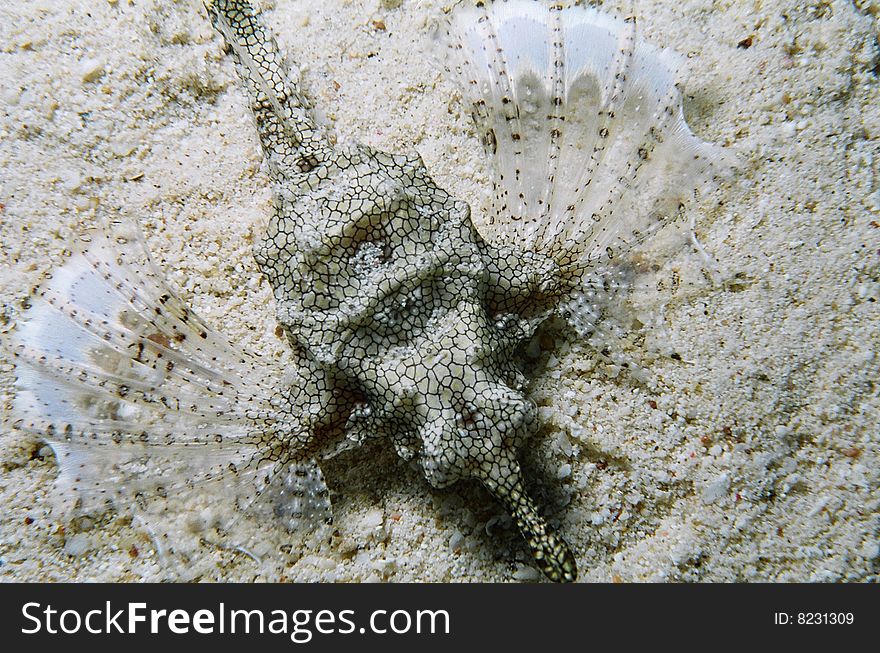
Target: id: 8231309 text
{"points": [[813, 618]]}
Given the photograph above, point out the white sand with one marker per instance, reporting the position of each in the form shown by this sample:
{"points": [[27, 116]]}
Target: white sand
{"points": [[755, 459]]}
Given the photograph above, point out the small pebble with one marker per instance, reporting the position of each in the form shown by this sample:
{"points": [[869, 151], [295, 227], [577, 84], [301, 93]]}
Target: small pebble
{"points": [[373, 519], [91, 69], [77, 544], [716, 488], [527, 574], [456, 540]]}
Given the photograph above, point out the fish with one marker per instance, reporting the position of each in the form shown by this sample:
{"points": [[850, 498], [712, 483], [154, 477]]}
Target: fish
{"points": [[409, 320]]}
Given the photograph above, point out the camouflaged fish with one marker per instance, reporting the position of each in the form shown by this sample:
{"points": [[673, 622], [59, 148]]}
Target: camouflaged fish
{"points": [[407, 322]]}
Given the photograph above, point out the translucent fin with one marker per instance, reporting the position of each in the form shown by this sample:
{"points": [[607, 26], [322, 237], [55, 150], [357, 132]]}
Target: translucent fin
{"points": [[583, 123], [296, 495], [145, 406]]}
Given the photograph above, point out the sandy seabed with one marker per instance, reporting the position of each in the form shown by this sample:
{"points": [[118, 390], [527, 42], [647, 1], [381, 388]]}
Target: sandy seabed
{"points": [[752, 457]]}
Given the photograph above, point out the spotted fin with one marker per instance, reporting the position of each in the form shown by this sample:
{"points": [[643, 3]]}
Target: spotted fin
{"points": [[583, 122], [149, 409]]}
